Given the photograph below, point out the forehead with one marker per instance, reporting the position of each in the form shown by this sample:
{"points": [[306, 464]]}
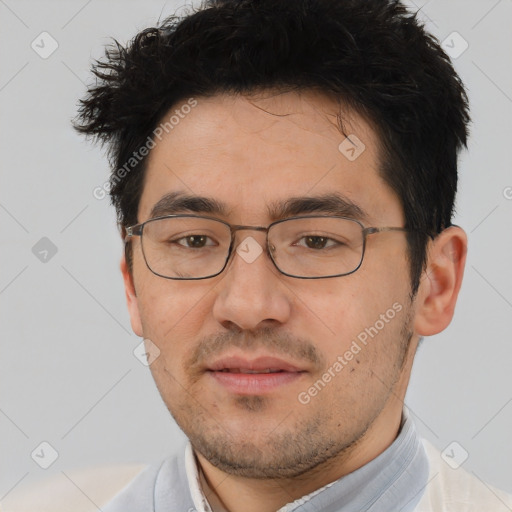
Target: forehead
{"points": [[254, 153]]}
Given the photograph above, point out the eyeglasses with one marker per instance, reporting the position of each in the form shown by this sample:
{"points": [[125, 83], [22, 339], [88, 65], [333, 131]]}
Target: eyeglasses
{"points": [[307, 247]]}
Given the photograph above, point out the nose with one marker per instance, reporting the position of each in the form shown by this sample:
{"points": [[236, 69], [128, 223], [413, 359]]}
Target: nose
{"points": [[251, 293]]}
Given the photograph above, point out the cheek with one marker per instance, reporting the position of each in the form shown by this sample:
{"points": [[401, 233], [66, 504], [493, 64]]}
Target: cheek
{"points": [[337, 308], [350, 308], [171, 313], [172, 319]]}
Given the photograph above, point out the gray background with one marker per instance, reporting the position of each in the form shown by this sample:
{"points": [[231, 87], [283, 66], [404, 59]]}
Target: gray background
{"points": [[68, 375]]}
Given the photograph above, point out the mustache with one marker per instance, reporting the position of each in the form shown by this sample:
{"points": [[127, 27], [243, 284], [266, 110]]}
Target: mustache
{"points": [[277, 343]]}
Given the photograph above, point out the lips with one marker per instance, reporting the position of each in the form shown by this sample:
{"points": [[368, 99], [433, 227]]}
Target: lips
{"points": [[265, 364], [253, 376], [247, 370]]}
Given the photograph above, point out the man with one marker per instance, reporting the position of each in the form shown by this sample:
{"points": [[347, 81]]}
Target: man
{"points": [[284, 175]]}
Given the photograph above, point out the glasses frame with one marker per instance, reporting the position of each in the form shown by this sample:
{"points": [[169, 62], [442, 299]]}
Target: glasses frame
{"points": [[138, 230]]}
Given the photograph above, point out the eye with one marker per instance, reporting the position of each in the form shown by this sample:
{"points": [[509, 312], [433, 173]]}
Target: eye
{"points": [[318, 242], [194, 241]]}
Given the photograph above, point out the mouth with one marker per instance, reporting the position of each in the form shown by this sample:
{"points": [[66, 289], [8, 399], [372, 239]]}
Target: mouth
{"points": [[246, 370], [253, 376]]}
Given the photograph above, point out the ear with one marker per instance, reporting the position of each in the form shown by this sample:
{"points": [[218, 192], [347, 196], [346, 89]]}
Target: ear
{"points": [[131, 298], [441, 281]]}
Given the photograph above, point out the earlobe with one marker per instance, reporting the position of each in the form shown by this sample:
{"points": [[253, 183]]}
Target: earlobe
{"points": [[441, 281], [131, 298]]}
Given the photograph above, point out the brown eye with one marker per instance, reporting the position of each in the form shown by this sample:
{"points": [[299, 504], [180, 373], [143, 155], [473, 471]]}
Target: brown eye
{"points": [[316, 242], [193, 241]]}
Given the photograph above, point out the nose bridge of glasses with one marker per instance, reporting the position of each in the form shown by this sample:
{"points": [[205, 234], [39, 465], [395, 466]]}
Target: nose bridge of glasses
{"points": [[241, 239], [236, 228]]}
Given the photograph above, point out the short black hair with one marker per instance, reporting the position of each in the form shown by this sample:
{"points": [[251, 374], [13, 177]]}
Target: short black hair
{"points": [[374, 55]]}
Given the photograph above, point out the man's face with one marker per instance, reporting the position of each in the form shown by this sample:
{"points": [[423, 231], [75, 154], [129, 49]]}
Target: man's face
{"points": [[214, 333]]}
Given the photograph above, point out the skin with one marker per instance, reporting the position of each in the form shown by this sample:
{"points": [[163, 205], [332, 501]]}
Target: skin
{"points": [[259, 452]]}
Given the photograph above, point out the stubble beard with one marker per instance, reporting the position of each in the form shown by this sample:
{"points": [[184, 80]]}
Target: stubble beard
{"points": [[284, 453]]}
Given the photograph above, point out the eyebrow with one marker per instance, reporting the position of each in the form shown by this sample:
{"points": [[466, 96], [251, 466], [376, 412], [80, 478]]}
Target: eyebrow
{"points": [[332, 204], [180, 202]]}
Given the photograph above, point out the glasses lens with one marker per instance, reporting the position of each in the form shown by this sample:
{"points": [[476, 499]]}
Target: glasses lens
{"points": [[186, 247], [317, 246]]}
